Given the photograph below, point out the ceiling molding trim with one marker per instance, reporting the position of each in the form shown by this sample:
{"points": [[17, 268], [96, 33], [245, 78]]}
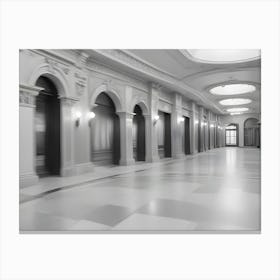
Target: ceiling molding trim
{"points": [[219, 70], [133, 63]]}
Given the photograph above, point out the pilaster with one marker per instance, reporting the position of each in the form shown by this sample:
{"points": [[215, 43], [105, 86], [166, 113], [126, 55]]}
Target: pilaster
{"points": [[126, 138], [67, 136], [27, 150], [177, 127]]}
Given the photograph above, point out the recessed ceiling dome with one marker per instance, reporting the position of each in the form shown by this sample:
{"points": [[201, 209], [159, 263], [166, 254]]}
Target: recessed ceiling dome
{"points": [[224, 55], [235, 101], [232, 89], [233, 110]]}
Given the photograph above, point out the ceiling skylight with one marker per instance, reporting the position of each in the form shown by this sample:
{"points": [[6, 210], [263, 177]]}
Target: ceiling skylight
{"points": [[235, 101], [232, 89], [234, 110], [224, 55]]}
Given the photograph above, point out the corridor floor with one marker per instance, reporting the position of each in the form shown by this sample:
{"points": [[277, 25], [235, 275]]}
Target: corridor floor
{"points": [[218, 190]]}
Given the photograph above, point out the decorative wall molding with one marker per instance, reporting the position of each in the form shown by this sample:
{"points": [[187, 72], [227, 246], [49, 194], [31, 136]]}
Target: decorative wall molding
{"points": [[80, 84], [124, 78], [69, 101], [130, 61], [27, 95]]}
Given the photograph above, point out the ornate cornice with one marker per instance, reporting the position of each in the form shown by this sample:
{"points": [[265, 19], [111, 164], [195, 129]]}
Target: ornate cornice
{"points": [[27, 95], [124, 58]]}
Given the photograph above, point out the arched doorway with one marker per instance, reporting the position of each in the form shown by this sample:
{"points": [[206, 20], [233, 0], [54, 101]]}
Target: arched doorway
{"points": [[105, 132], [231, 134], [251, 132], [139, 148], [47, 129]]}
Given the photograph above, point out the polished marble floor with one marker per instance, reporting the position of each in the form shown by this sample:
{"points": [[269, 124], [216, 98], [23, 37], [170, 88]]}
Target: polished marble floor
{"points": [[218, 190]]}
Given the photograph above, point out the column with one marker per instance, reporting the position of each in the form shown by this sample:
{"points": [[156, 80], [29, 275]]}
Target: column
{"points": [[126, 138], [67, 136], [201, 130], [177, 127], [193, 129], [27, 149], [151, 131]]}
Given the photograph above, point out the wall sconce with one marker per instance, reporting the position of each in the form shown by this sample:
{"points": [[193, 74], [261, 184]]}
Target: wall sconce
{"points": [[212, 125], [78, 118], [91, 117], [156, 118], [196, 122], [180, 119]]}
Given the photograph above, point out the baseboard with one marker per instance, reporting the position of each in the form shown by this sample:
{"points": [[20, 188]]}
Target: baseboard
{"points": [[26, 180], [68, 171], [127, 162], [84, 167]]}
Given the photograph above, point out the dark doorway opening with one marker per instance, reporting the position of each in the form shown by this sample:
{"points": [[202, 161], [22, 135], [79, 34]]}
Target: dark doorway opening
{"points": [[47, 129], [164, 134], [187, 135], [139, 148], [105, 132]]}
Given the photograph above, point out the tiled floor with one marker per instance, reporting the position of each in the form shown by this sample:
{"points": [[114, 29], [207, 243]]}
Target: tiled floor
{"points": [[212, 191]]}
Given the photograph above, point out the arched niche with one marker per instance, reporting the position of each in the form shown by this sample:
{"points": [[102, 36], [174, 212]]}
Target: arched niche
{"points": [[58, 78], [251, 132], [47, 128], [105, 130]]}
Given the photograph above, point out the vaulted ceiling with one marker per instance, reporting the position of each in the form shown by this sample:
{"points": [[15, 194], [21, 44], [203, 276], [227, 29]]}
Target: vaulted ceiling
{"points": [[177, 70]]}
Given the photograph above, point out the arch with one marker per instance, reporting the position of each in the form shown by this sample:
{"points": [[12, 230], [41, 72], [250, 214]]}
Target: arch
{"points": [[142, 104], [55, 74], [47, 129], [111, 93], [252, 132], [253, 120]]}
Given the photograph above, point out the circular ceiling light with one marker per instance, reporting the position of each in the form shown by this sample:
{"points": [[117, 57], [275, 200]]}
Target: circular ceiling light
{"points": [[224, 55], [233, 110], [232, 89], [235, 101]]}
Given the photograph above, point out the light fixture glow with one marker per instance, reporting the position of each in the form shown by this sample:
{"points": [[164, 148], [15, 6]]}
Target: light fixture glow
{"points": [[234, 110], [224, 55], [156, 118], [212, 125], [180, 119], [235, 101], [78, 114], [232, 89], [91, 115], [236, 113]]}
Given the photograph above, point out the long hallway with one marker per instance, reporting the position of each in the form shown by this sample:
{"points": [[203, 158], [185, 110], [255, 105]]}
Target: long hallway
{"points": [[211, 191]]}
